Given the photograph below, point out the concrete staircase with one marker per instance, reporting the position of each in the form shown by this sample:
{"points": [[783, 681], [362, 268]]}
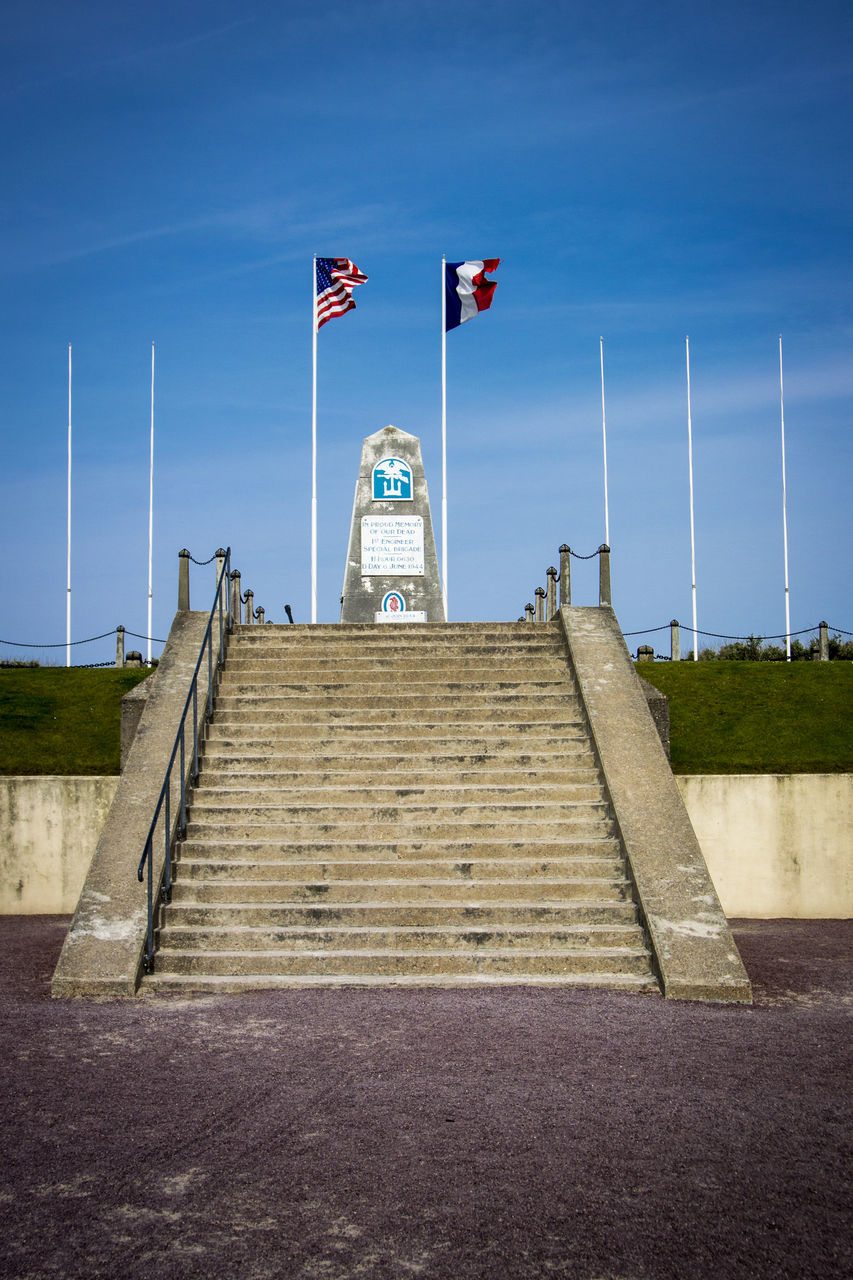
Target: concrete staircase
{"points": [[400, 805]]}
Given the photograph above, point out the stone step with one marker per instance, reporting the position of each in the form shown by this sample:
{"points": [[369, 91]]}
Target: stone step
{"points": [[423, 731], [237, 772], [372, 816], [310, 720], [297, 793], [235, 938], [365, 635], [534, 747], [332, 671], [272, 915], [453, 849], [471, 893], [369, 693], [243, 828], [187, 984], [378, 869], [399, 642], [404, 655], [388, 962]]}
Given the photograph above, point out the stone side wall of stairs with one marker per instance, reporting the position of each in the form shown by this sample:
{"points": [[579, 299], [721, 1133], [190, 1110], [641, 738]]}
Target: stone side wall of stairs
{"points": [[416, 804]]}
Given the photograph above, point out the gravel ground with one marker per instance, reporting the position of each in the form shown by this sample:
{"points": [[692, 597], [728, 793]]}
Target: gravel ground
{"points": [[443, 1134]]}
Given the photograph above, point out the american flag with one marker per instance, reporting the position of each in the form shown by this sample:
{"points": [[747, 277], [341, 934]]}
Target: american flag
{"points": [[336, 279]]}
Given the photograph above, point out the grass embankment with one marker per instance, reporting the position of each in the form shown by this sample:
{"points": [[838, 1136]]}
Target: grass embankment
{"points": [[726, 717], [62, 720], [757, 717]]}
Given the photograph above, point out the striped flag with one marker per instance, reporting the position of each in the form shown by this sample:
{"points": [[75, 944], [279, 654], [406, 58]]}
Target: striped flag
{"points": [[467, 290], [336, 279]]}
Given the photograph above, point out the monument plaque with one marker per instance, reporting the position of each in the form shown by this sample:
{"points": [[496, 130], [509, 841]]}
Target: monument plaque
{"points": [[392, 545], [392, 571]]}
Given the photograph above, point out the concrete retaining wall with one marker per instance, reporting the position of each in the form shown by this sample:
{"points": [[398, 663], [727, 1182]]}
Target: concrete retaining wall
{"points": [[48, 831], [776, 845]]}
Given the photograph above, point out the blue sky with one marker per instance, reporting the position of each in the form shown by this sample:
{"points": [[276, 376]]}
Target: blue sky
{"points": [[644, 170]]}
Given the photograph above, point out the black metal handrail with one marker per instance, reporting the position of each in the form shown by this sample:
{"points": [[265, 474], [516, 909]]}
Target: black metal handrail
{"points": [[164, 800]]}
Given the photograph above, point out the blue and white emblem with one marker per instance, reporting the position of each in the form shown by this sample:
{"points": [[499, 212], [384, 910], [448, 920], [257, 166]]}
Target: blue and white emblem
{"points": [[392, 479]]}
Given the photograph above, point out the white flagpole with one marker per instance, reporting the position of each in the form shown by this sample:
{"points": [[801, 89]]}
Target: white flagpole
{"points": [[68, 578], [314, 442], [784, 508], [444, 436], [692, 532], [151, 508], [604, 440]]}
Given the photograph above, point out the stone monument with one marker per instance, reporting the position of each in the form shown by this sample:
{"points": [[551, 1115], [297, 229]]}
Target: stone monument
{"points": [[392, 571]]}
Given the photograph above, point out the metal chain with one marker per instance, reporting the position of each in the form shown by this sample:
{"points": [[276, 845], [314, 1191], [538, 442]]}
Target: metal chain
{"points": [[137, 636], [648, 631], [716, 635], [589, 557], [203, 562], [18, 645]]}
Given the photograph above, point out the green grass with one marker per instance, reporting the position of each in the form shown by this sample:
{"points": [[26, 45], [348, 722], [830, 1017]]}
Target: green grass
{"points": [[62, 720], [726, 717], [757, 717]]}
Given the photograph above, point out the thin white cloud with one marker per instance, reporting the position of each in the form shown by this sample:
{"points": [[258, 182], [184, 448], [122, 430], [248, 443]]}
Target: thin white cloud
{"points": [[148, 53]]}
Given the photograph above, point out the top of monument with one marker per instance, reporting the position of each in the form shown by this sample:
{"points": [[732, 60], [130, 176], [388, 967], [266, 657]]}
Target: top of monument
{"points": [[391, 430]]}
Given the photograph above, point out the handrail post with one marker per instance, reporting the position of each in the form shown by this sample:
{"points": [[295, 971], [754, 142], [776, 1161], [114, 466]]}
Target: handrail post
{"points": [[229, 621], [210, 675], [674, 641], [250, 605], [551, 575], [528, 613], [824, 641], [195, 731], [236, 601], [260, 614], [149, 940], [220, 561], [183, 581], [565, 576], [182, 826], [119, 645], [603, 575], [540, 604], [166, 890]]}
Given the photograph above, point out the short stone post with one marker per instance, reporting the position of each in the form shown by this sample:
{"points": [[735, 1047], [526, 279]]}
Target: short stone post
{"points": [[183, 581], [540, 604], [551, 575], [133, 659], [824, 642], [528, 613], [565, 576], [119, 646], [604, 575], [259, 614], [674, 641], [236, 598], [250, 605], [645, 653]]}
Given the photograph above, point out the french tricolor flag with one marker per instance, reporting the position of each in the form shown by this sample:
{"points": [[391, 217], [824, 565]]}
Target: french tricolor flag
{"points": [[467, 291]]}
